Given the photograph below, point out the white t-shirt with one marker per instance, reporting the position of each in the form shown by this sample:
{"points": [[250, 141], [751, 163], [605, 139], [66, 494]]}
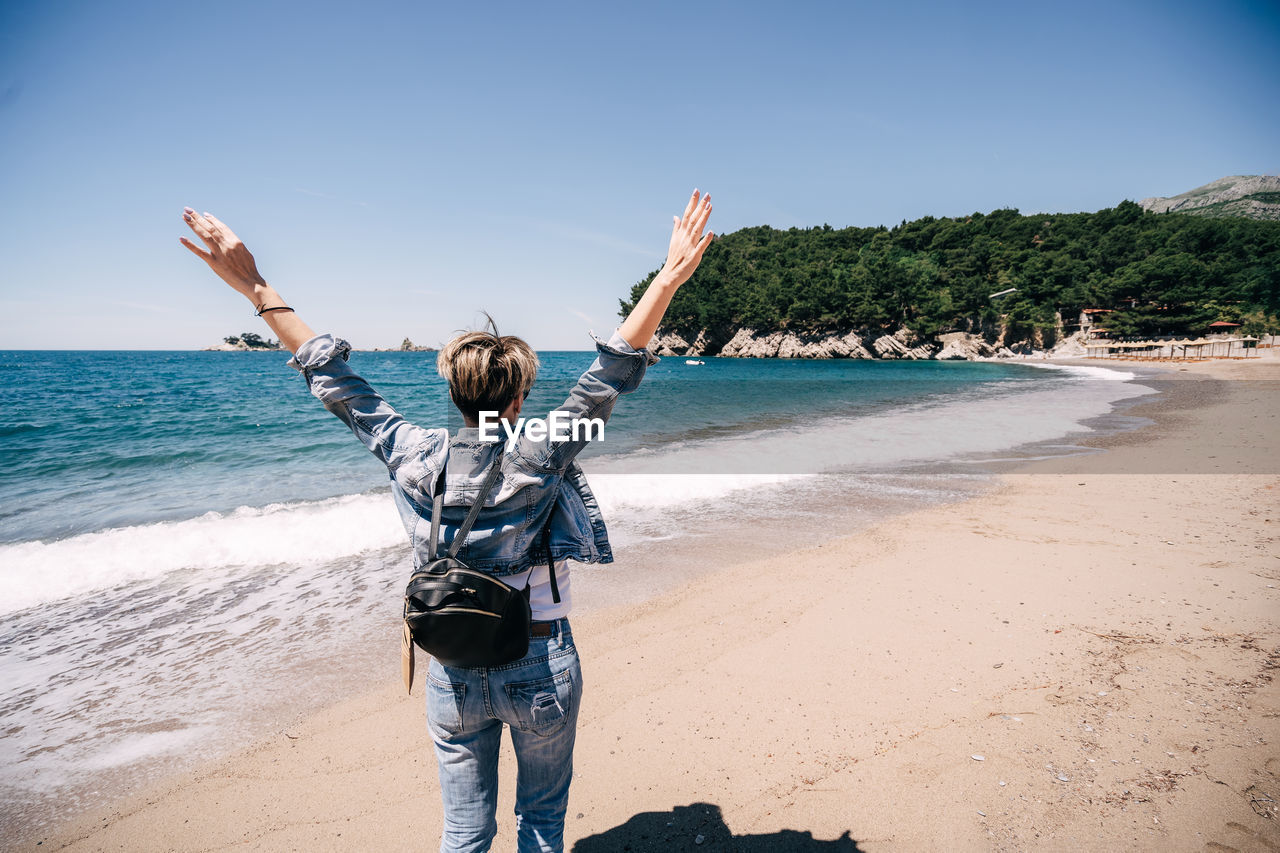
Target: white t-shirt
{"points": [[540, 601]]}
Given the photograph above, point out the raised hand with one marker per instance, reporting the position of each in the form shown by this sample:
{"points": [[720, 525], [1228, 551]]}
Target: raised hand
{"points": [[227, 255], [234, 264], [688, 243], [683, 256]]}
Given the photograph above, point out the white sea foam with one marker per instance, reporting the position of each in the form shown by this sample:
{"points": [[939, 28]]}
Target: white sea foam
{"points": [[1109, 374], [36, 572], [135, 747], [618, 492]]}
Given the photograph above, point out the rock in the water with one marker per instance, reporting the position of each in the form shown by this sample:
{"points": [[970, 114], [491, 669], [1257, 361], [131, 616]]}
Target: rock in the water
{"points": [[747, 344], [668, 344], [699, 345], [741, 339], [962, 346], [801, 345], [902, 344]]}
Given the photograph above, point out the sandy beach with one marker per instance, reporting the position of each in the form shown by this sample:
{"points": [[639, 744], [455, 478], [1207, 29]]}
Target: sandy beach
{"points": [[1082, 658]]}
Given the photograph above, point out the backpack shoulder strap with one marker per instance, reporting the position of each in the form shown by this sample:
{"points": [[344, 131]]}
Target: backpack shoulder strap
{"points": [[437, 503], [551, 561]]}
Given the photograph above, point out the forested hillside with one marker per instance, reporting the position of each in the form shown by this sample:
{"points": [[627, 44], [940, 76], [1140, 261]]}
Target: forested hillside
{"points": [[1164, 273]]}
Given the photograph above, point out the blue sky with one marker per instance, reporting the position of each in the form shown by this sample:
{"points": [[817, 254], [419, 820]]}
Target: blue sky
{"points": [[397, 167]]}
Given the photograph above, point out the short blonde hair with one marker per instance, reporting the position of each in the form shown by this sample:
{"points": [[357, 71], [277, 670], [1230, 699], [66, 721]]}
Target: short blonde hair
{"points": [[486, 371]]}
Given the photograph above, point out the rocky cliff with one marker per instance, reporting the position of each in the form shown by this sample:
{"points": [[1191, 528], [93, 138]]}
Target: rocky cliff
{"points": [[747, 344], [962, 346], [1247, 196], [902, 344]]}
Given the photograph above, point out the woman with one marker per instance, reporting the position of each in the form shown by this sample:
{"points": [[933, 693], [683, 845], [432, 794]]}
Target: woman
{"points": [[540, 510]]}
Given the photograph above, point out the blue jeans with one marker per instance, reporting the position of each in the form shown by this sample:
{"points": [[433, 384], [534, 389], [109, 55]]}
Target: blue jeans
{"points": [[538, 697]]}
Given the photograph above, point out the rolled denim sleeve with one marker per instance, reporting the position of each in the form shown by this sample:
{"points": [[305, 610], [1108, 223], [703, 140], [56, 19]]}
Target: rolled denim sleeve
{"points": [[618, 369], [323, 361]]}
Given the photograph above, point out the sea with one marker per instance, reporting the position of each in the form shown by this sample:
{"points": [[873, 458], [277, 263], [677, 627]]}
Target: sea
{"points": [[194, 553]]}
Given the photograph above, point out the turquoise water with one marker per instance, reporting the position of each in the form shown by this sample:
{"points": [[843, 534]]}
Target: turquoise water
{"points": [[102, 440], [192, 549]]}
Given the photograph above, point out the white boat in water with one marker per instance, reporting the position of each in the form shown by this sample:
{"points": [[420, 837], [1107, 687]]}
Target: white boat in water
{"points": [[693, 361]]}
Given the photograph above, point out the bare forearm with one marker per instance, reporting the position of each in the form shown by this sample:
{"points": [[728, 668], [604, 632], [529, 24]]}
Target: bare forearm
{"points": [[288, 327], [643, 321]]}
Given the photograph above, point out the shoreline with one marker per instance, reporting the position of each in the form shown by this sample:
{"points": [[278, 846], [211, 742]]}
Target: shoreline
{"points": [[881, 744], [127, 723]]}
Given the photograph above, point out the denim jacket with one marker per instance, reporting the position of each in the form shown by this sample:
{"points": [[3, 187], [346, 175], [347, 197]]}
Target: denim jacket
{"points": [[539, 479]]}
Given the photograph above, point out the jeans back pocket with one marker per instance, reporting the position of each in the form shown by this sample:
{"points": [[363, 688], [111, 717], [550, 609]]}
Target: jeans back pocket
{"points": [[544, 705], [444, 704]]}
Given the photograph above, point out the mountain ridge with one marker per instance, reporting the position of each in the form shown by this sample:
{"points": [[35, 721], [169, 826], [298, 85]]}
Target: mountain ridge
{"points": [[1243, 196]]}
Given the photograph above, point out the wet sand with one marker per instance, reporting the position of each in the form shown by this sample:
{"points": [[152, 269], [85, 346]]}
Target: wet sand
{"points": [[1099, 634]]}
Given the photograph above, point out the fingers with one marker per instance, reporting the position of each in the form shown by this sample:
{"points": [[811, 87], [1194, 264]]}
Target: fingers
{"points": [[199, 253], [700, 219], [210, 223], [688, 228], [215, 227], [219, 227], [690, 207], [698, 212], [703, 244], [201, 226]]}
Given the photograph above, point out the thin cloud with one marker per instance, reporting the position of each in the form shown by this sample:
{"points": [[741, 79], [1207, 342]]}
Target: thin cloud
{"points": [[328, 196], [877, 123], [609, 241], [578, 234], [144, 306]]}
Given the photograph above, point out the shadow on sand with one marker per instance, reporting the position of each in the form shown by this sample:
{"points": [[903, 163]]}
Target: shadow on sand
{"points": [[682, 827]]}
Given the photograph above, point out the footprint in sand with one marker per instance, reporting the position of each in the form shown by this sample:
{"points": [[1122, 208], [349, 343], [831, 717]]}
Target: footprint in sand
{"points": [[1243, 839]]}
